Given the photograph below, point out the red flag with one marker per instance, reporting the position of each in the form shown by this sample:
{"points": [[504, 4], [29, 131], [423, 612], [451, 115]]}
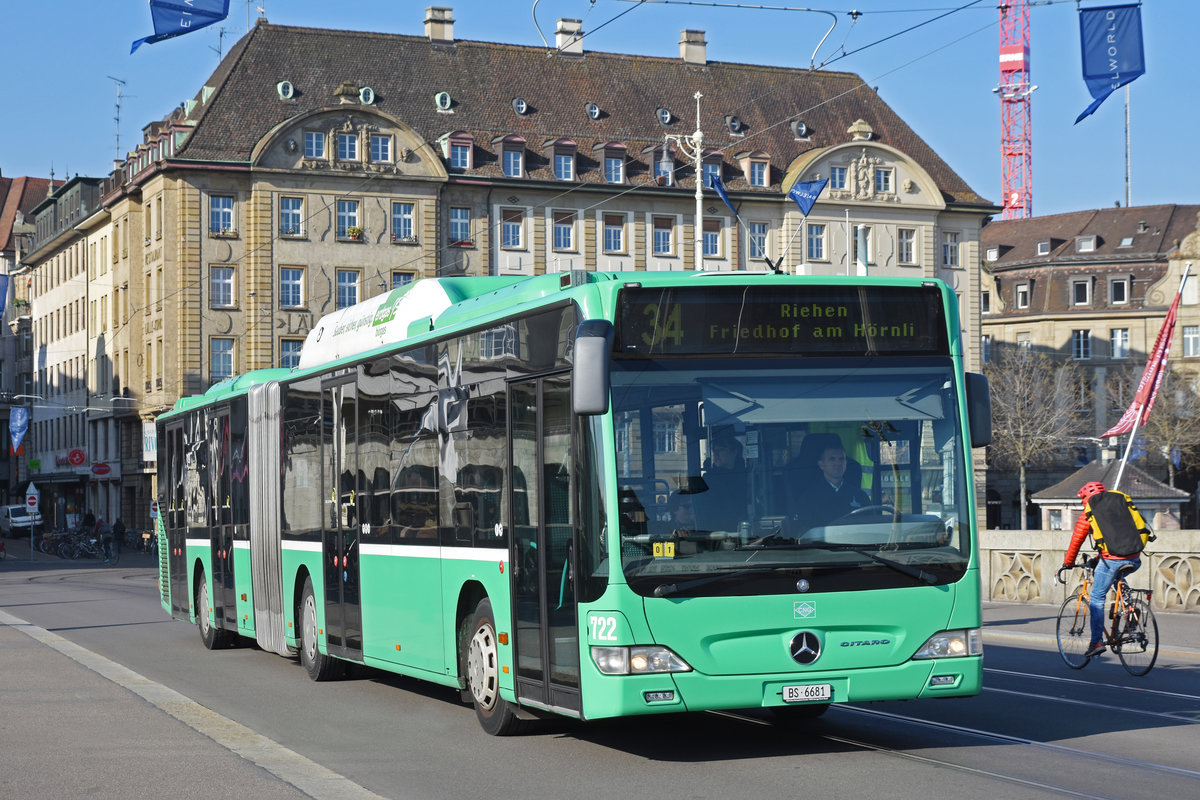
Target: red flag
{"points": [[1156, 370]]}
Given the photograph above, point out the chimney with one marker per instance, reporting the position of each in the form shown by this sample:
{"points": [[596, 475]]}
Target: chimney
{"points": [[692, 48], [568, 37], [439, 25]]}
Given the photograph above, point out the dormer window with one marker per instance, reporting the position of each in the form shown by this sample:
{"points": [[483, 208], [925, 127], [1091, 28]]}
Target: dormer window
{"points": [[756, 168], [459, 149], [1043, 247], [664, 167], [993, 254], [614, 161], [711, 169], [562, 153], [1085, 244], [512, 156], [758, 173]]}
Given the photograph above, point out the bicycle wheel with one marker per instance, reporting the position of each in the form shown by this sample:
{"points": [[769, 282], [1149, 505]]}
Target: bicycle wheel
{"points": [[1137, 645], [1074, 631]]}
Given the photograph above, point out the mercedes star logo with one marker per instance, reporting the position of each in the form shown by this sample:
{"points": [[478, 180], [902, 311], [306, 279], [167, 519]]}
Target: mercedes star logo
{"points": [[806, 647]]}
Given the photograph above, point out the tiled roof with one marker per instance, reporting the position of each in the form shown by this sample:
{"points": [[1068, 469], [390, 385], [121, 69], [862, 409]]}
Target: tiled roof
{"points": [[406, 72], [19, 194], [1153, 232], [1134, 482]]}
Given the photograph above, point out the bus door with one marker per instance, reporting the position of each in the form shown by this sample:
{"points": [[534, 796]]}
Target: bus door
{"points": [[172, 500], [543, 554], [343, 485], [224, 598]]}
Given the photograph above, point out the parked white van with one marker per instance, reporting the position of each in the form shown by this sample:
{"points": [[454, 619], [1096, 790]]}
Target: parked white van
{"points": [[16, 520]]}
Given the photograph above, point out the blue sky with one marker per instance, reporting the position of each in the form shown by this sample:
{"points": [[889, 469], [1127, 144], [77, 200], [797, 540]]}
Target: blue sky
{"points": [[57, 57]]}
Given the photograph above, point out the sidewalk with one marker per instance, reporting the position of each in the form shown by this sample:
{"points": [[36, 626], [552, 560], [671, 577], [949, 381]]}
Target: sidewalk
{"points": [[1034, 624]]}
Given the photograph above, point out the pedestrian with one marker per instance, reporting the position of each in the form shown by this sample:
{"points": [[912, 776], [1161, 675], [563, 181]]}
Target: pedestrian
{"points": [[118, 534]]}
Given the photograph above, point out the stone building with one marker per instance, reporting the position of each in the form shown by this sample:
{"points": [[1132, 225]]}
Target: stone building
{"points": [[318, 168], [1092, 287]]}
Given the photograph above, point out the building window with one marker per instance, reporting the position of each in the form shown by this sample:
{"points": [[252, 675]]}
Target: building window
{"points": [[289, 352], [663, 241], [816, 241], [460, 226], [460, 156], [512, 228], [666, 436], [1043, 248], [614, 233], [1021, 294], [512, 163], [220, 287], [220, 216], [347, 146], [1191, 340], [381, 148], [906, 243], [291, 287], [985, 348], [402, 222], [985, 302], [1118, 291], [711, 244], [614, 169], [1085, 244], [291, 216], [709, 171], [883, 181], [314, 144], [1081, 293], [347, 219], [564, 166], [347, 287], [949, 248], [758, 173], [400, 278], [1083, 395], [1081, 345], [221, 358], [757, 244], [1119, 340], [837, 177], [564, 230]]}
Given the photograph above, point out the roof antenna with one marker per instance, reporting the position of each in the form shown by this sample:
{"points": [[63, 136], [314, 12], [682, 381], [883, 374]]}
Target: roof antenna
{"points": [[120, 86], [533, 11]]}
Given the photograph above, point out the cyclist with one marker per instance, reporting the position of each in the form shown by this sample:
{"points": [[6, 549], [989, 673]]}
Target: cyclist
{"points": [[1105, 574]]}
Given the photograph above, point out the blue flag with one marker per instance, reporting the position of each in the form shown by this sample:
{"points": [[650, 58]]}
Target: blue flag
{"points": [[182, 16], [1111, 42], [18, 424], [719, 188], [3, 292], [805, 193]]}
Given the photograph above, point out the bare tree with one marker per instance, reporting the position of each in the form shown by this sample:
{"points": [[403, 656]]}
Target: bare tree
{"points": [[1174, 422], [1038, 406]]}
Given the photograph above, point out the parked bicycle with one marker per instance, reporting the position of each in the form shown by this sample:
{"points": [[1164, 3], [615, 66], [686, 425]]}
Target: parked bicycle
{"points": [[1131, 633]]}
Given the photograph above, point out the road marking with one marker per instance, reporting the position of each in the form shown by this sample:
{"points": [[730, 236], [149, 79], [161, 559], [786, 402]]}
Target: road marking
{"points": [[289, 766]]}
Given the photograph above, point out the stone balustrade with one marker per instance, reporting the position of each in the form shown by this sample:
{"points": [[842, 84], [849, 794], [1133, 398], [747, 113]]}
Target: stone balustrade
{"points": [[1020, 566]]}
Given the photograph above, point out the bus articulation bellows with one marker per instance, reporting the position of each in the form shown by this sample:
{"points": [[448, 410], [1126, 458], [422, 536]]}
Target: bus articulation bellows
{"points": [[598, 494]]}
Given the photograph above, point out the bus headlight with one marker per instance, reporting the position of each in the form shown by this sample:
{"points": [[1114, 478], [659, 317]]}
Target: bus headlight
{"points": [[637, 660], [952, 644]]}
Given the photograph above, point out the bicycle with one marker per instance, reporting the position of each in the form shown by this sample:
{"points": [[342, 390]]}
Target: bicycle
{"points": [[1132, 632]]}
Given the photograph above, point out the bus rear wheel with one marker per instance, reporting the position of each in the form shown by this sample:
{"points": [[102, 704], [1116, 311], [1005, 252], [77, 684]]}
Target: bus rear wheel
{"points": [[481, 657], [214, 638], [320, 667]]}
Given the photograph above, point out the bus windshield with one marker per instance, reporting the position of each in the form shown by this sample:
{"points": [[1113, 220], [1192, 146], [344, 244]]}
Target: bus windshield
{"points": [[776, 475]]}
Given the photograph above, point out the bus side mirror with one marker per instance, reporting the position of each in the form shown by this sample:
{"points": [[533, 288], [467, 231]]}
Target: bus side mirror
{"points": [[979, 409], [589, 378]]}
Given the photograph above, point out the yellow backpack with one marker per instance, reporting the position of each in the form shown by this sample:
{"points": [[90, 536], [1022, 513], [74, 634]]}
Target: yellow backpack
{"points": [[1117, 526]]}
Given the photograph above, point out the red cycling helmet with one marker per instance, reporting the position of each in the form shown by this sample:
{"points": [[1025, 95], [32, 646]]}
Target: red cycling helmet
{"points": [[1089, 489]]}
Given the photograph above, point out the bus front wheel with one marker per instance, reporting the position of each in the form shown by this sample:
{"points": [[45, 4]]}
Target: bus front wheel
{"points": [[482, 670]]}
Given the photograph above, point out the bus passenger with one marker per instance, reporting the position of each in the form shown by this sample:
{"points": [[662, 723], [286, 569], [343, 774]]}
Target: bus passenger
{"points": [[831, 496]]}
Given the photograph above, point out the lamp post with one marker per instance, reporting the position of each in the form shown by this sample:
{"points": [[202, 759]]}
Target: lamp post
{"points": [[693, 148]]}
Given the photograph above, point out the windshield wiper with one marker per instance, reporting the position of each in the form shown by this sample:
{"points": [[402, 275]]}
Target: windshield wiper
{"points": [[668, 589], [779, 543]]}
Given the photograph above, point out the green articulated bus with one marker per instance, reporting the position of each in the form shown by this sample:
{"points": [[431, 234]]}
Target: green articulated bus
{"points": [[598, 494]]}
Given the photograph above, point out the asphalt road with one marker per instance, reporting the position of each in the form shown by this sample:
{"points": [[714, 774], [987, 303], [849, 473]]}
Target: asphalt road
{"points": [[104, 696]]}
